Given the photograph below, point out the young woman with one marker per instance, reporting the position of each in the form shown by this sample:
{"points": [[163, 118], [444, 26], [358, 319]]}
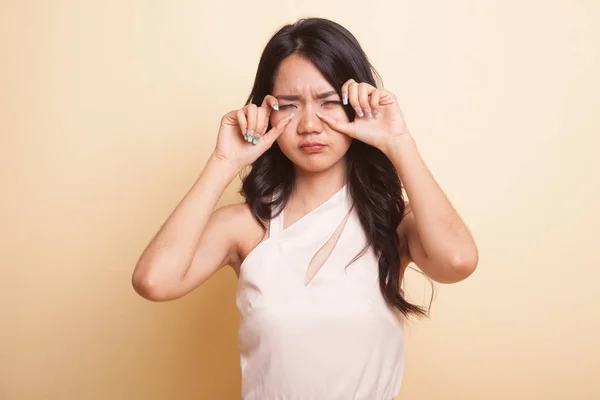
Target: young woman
{"points": [[324, 236]]}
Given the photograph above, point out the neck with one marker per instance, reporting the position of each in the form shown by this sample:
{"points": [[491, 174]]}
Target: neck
{"points": [[313, 188]]}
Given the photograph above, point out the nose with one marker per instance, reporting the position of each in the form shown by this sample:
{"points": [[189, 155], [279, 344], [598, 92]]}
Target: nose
{"points": [[308, 122]]}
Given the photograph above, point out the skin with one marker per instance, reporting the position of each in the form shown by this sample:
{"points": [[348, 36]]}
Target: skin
{"points": [[195, 241]]}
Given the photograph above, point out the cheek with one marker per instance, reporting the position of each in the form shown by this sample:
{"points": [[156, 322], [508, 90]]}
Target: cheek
{"points": [[277, 116], [287, 140], [335, 111], [341, 142]]}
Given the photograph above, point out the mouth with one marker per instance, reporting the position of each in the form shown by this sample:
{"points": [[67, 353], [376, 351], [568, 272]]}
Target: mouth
{"points": [[312, 147]]}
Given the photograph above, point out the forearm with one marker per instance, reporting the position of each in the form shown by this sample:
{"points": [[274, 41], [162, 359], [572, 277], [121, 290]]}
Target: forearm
{"points": [[444, 237], [171, 251]]}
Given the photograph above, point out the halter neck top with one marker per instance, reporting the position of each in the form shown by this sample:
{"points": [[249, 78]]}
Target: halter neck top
{"points": [[319, 332]]}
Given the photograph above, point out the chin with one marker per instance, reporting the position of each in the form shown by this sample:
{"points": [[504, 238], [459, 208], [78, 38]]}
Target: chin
{"points": [[314, 163], [313, 168]]}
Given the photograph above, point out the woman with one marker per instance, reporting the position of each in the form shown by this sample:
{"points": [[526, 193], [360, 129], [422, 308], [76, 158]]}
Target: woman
{"points": [[324, 236]]}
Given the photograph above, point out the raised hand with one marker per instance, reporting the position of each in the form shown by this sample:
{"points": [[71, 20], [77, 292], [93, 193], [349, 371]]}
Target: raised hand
{"points": [[378, 119], [243, 135]]}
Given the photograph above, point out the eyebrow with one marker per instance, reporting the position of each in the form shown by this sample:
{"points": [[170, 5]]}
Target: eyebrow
{"points": [[294, 97]]}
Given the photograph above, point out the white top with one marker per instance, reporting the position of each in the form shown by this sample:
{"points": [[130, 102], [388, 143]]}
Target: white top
{"points": [[317, 333]]}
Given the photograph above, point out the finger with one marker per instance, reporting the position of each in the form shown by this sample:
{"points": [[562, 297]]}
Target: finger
{"points": [[261, 124], [251, 114], [340, 126], [270, 137], [364, 89], [374, 102], [353, 98], [240, 116], [386, 98], [270, 103], [345, 91], [230, 118]]}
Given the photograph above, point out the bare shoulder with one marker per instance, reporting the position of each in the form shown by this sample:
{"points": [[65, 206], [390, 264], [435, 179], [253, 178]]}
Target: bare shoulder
{"points": [[404, 229], [406, 222], [233, 213], [245, 232]]}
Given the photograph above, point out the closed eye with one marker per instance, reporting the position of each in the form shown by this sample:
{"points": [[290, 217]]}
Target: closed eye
{"points": [[332, 103], [287, 106]]}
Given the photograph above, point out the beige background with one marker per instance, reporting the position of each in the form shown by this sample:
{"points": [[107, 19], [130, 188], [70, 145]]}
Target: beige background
{"points": [[109, 109]]}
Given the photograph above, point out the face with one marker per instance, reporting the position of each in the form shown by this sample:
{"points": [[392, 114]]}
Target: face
{"points": [[308, 142]]}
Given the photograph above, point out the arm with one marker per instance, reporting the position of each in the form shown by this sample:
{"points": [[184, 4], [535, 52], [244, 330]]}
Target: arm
{"points": [[438, 240], [193, 243]]}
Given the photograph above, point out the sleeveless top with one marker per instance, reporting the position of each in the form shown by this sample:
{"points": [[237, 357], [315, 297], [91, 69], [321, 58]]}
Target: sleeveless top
{"points": [[330, 337]]}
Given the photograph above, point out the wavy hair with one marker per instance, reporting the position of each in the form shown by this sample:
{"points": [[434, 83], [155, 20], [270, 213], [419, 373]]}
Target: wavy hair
{"points": [[372, 180]]}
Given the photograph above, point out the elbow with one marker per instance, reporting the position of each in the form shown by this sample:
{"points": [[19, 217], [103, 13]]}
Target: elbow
{"points": [[463, 265], [452, 268], [149, 288]]}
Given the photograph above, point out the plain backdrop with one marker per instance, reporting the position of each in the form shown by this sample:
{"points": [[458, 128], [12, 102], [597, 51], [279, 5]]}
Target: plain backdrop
{"points": [[110, 109]]}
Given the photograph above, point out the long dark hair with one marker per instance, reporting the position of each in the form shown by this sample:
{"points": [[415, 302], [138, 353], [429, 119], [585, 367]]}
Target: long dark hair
{"points": [[372, 180]]}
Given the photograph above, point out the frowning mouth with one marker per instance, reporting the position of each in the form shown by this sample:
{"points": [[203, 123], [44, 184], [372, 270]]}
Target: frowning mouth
{"points": [[312, 147]]}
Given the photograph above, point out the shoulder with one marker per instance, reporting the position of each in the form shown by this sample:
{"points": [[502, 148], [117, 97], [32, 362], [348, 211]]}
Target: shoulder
{"points": [[244, 231], [406, 222], [405, 228], [236, 216], [235, 211]]}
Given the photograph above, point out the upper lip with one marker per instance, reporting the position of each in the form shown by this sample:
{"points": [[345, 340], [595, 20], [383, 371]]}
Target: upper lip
{"points": [[311, 144]]}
